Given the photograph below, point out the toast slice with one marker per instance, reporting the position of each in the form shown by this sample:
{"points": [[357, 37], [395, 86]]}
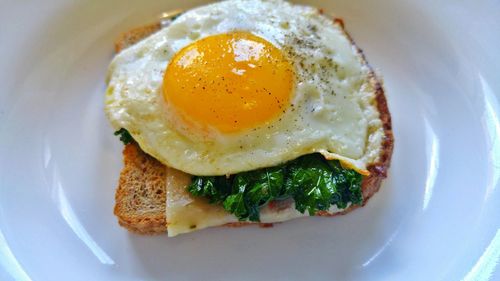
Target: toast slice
{"points": [[141, 193]]}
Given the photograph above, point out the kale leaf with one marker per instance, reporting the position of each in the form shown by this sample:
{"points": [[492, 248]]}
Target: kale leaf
{"points": [[235, 204], [260, 186], [313, 182], [252, 190], [125, 136], [215, 189], [348, 184]]}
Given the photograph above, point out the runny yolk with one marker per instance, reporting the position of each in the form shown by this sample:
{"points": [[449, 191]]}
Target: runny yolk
{"points": [[231, 82]]}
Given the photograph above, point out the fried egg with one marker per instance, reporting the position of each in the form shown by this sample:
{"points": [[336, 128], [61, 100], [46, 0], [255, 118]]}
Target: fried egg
{"points": [[240, 85]]}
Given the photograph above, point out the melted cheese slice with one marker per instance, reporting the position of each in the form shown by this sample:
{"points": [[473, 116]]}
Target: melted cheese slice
{"points": [[186, 213]]}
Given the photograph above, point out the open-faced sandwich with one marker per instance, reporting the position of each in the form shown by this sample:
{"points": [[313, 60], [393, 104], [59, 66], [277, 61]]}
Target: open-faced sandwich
{"points": [[244, 112]]}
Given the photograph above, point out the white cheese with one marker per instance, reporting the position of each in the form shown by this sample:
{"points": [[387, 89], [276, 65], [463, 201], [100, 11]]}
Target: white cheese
{"points": [[186, 213]]}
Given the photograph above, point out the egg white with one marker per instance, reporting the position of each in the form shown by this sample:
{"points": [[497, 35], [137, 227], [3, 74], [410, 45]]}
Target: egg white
{"points": [[333, 108]]}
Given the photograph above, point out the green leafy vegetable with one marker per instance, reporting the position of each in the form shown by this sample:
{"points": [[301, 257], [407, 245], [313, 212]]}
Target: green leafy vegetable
{"points": [[215, 189], [348, 184], [253, 189], [125, 136], [236, 204], [314, 183], [260, 186]]}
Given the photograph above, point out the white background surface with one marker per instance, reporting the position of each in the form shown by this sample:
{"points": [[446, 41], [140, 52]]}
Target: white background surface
{"points": [[437, 216]]}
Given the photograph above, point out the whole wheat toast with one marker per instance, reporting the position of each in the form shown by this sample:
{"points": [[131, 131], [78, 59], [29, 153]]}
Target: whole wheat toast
{"points": [[141, 192]]}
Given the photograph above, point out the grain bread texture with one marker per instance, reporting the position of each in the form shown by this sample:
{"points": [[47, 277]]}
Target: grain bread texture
{"points": [[135, 35], [140, 196]]}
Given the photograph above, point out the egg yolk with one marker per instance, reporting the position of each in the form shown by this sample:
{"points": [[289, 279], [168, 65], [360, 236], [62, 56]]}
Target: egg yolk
{"points": [[231, 82]]}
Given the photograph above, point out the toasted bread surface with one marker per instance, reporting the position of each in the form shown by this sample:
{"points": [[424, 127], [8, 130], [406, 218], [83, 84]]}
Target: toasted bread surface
{"points": [[140, 196], [135, 35]]}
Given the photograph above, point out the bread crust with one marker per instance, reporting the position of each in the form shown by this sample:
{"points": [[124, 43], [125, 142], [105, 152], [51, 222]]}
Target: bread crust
{"points": [[155, 222], [135, 35]]}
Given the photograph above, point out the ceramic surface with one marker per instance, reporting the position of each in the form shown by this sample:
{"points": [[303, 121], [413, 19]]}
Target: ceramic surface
{"points": [[437, 216]]}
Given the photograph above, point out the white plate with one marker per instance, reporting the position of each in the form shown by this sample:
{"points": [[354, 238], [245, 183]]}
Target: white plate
{"points": [[437, 216]]}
